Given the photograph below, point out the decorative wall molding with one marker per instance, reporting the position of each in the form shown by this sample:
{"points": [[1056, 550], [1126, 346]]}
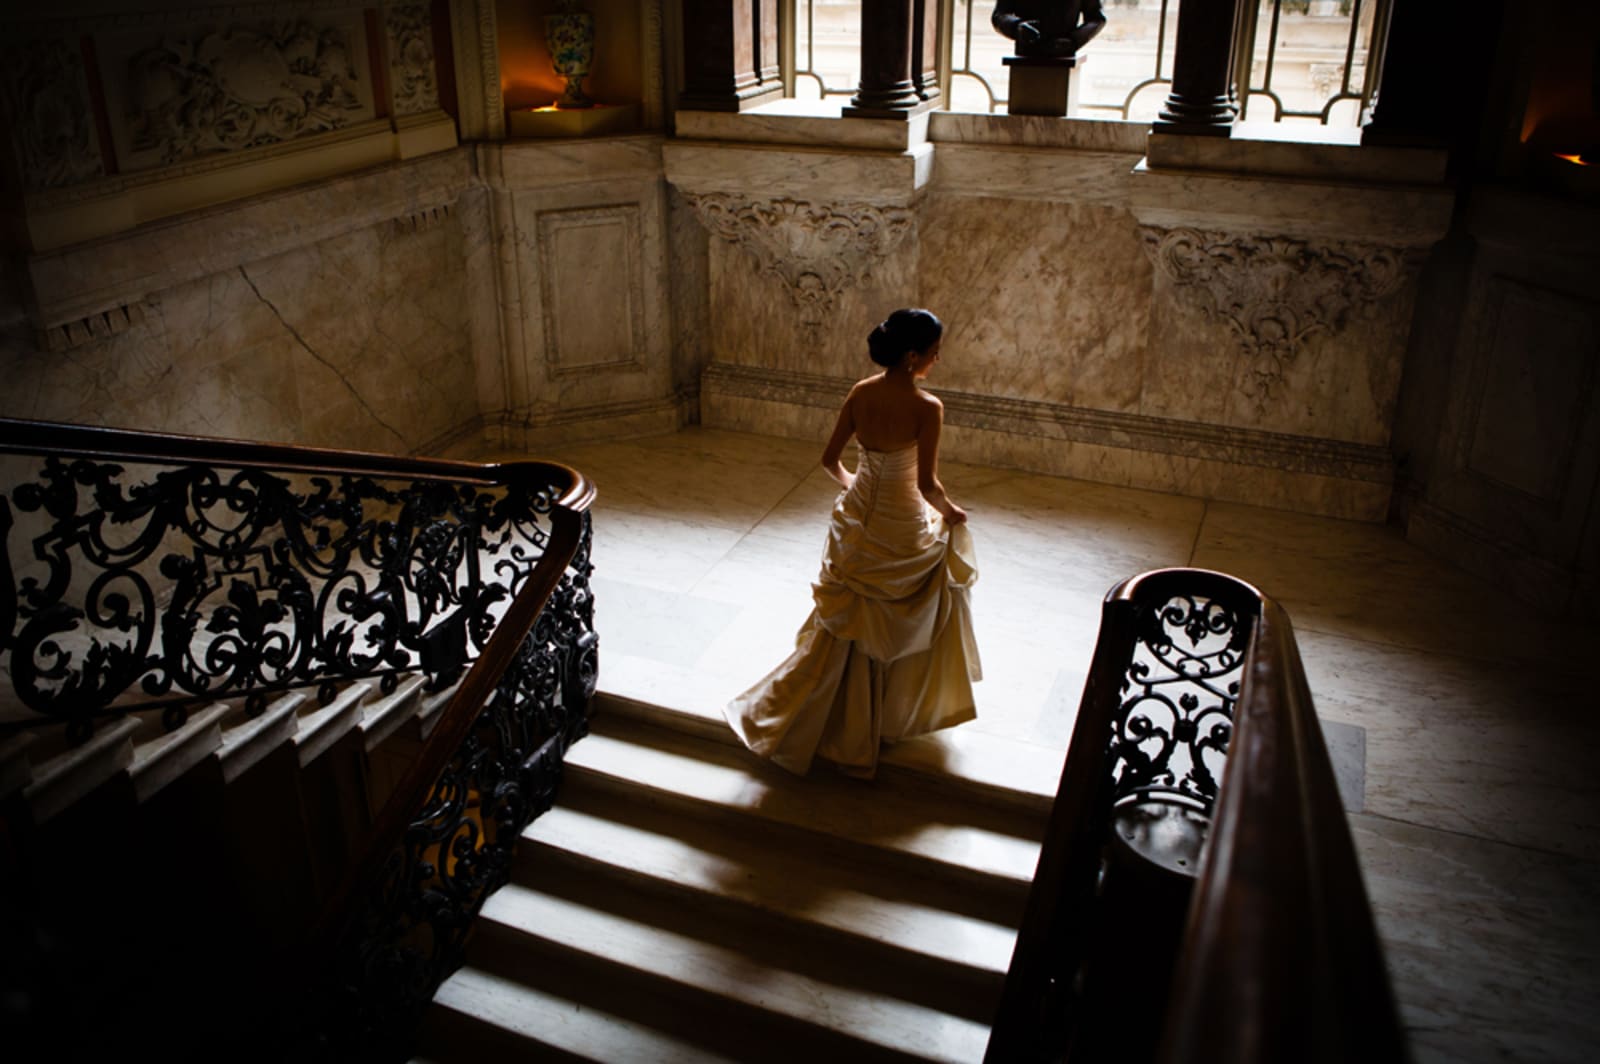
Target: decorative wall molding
{"points": [[1273, 291], [650, 19], [45, 96], [413, 81], [816, 250], [474, 38], [237, 85], [427, 218], [1071, 424], [592, 323], [95, 327]]}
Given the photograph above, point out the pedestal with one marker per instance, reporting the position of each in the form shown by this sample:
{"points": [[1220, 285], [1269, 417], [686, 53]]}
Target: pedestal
{"points": [[1042, 85], [601, 119]]}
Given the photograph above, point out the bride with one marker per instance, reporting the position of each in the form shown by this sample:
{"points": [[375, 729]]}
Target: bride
{"points": [[888, 651]]}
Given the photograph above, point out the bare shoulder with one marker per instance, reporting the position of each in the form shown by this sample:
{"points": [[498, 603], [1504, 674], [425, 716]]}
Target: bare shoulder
{"points": [[931, 403]]}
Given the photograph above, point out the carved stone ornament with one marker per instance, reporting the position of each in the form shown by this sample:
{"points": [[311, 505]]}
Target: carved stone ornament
{"points": [[242, 87], [411, 73], [816, 250], [46, 101], [1274, 291]]}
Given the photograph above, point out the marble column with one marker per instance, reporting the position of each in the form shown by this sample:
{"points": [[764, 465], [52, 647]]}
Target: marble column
{"points": [[886, 89], [1201, 100], [730, 55], [925, 48], [1412, 108]]}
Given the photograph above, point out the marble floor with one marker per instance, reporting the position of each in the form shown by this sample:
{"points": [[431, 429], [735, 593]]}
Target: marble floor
{"points": [[1464, 724]]}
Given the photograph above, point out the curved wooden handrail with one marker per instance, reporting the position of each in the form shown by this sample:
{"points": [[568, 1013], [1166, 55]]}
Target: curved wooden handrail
{"points": [[1280, 958], [18, 436]]}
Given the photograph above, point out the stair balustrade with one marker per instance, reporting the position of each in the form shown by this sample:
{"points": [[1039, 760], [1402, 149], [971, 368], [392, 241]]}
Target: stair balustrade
{"points": [[1198, 896], [177, 614]]}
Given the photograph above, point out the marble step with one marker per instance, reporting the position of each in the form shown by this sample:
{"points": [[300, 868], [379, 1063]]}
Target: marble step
{"points": [[770, 993], [320, 727], [60, 776], [1001, 771], [384, 714], [478, 1016], [957, 935], [932, 832], [247, 740], [161, 757]]}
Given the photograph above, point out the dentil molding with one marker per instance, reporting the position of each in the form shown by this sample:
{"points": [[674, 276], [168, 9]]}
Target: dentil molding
{"points": [[1273, 291], [816, 250]]}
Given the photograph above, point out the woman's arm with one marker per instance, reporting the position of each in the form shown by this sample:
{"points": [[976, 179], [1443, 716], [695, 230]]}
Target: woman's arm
{"points": [[843, 429], [928, 465]]}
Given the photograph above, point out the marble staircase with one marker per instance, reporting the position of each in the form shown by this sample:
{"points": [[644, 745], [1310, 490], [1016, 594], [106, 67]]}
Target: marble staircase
{"points": [[685, 901], [138, 754]]}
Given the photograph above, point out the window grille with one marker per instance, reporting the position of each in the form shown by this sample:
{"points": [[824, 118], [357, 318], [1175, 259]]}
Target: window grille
{"points": [[1296, 60]]}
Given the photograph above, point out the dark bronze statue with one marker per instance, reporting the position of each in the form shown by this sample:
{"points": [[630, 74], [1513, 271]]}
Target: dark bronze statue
{"points": [[1049, 27]]}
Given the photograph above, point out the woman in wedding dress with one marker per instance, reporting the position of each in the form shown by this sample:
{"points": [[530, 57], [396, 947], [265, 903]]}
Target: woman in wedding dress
{"points": [[888, 651]]}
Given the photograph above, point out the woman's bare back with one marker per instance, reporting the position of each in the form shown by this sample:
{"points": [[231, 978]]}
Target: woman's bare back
{"points": [[888, 415]]}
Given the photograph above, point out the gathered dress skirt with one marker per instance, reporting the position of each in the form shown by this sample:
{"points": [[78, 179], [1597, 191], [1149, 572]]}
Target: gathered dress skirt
{"points": [[888, 650]]}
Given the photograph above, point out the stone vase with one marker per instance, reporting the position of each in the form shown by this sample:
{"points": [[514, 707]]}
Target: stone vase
{"points": [[570, 38]]}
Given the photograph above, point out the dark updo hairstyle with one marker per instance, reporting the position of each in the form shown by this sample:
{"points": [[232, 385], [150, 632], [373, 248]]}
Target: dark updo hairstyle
{"points": [[906, 330]]}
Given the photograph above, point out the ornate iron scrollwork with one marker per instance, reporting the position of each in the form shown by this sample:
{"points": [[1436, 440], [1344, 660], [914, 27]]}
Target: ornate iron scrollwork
{"points": [[155, 587], [411, 933], [1170, 734]]}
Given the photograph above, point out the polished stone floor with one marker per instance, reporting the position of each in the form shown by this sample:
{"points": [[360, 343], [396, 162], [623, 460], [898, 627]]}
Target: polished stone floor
{"points": [[1464, 725]]}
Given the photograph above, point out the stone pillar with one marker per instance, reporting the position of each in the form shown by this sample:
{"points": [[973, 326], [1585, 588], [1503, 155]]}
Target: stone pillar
{"points": [[925, 48], [886, 89], [1202, 94], [1412, 107], [730, 55]]}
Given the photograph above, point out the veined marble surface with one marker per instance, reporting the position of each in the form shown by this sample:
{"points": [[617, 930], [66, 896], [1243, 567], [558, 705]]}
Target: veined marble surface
{"points": [[358, 340], [1478, 831]]}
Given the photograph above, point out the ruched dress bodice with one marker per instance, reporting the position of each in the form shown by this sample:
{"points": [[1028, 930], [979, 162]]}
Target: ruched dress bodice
{"points": [[888, 651]]}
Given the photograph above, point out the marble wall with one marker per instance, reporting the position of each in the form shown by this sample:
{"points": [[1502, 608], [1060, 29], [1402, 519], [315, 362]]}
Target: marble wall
{"points": [[1119, 309], [1501, 422], [338, 315]]}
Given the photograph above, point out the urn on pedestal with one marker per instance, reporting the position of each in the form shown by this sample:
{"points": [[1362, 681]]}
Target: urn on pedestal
{"points": [[570, 37]]}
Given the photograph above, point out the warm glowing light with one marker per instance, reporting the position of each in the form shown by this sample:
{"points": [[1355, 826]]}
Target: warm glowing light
{"points": [[1580, 160]]}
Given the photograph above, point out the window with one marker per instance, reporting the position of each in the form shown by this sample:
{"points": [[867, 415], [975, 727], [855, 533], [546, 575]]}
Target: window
{"points": [[1298, 60]]}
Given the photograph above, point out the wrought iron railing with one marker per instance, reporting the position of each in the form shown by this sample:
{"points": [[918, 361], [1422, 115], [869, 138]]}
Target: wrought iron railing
{"points": [[146, 575], [1196, 719]]}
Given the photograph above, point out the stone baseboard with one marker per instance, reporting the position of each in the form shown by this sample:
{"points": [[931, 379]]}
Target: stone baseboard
{"points": [[1557, 589], [537, 431], [1325, 477]]}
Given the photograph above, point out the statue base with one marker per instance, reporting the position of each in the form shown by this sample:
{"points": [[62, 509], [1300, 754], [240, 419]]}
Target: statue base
{"points": [[1042, 85]]}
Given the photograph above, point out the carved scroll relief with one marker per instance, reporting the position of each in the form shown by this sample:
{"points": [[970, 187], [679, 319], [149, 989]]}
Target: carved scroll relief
{"points": [[1273, 291], [46, 98], [816, 250], [203, 90], [412, 80]]}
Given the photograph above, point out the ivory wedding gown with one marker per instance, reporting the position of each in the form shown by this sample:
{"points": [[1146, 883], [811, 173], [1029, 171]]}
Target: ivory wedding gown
{"points": [[888, 651]]}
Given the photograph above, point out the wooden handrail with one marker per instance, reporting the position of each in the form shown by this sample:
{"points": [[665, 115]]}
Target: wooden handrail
{"points": [[18, 436], [1280, 958]]}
